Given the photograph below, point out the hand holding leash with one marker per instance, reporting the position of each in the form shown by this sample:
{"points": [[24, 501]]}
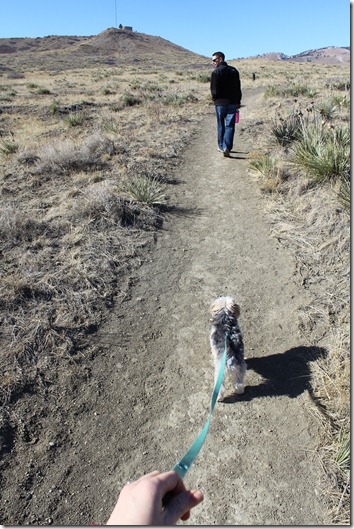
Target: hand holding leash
{"points": [[155, 499]]}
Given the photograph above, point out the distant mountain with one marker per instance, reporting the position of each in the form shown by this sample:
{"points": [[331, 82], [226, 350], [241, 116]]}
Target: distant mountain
{"points": [[330, 55], [118, 47]]}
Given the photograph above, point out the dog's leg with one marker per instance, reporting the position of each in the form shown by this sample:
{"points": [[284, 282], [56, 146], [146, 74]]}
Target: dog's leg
{"points": [[238, 375]]}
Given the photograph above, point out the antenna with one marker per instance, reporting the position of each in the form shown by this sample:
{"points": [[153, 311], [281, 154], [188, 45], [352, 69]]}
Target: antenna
{"points": [[115, 5]]}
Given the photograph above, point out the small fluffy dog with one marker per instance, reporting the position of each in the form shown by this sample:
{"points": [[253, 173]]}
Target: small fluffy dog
{"points": [[224, 323]]}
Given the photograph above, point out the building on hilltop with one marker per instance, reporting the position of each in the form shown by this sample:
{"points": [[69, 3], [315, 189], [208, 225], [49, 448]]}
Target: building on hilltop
{"points": [[126, 28]]}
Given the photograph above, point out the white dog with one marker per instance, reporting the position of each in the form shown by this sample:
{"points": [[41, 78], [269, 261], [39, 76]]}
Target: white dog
{"points": [[225, 332]]}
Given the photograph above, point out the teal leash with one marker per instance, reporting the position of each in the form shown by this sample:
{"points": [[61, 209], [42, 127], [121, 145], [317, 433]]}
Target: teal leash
{"points": [[185, 463]]}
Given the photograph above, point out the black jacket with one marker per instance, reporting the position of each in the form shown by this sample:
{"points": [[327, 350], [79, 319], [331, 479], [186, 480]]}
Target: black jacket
{"points": [[225, 85]]}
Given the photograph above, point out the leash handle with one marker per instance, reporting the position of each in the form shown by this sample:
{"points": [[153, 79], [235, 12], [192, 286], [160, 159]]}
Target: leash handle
{"points": [[185, 463]]}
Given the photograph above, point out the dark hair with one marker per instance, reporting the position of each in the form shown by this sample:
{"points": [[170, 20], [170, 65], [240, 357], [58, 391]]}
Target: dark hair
{"points": [[219, 54]]}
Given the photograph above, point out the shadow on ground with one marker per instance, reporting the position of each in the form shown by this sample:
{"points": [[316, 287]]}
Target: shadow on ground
{"points": [[286, 374]]}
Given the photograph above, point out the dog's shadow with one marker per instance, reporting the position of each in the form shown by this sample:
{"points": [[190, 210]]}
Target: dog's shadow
{"points": [[286, 374]]}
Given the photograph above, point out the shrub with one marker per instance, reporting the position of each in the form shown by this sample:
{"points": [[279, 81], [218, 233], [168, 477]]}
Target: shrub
{"points": [[7, 98], [178, 100], [271, 173], [107, 91], [43, 91], [344, 192], [339, 85], [271, 91], [287, 130], [202, 77], [15, 75], [146, 190], [54, 107], [75, 119], [131, 100], [17, 225], [263, 164], [340, 101], [296, 90], [8, 147], [327, 109], [65, 157], [324, 153]]}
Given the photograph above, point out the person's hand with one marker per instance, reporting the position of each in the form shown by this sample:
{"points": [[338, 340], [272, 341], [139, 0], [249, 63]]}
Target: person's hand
{"points": [[141, 502]]}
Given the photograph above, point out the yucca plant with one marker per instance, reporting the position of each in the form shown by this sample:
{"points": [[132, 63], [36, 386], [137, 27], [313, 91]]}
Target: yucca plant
{"points": [[54, 107], [271, 91], [8, 147], [75, 119], [146, 190], [271, 173], [110, 125], [287, 130], [296, 90], [342, 457], [327, 109], [344, 192], [324, 153], [263, 164]]}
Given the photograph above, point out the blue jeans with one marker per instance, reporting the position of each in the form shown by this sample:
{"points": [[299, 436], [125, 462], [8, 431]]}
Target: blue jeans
{"points": [[226, 125]]}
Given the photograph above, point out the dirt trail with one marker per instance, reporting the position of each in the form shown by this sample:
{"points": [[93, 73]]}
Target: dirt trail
{"points": [[149, 389]]}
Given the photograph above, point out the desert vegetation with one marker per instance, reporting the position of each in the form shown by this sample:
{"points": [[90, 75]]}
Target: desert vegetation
{"points": [[85, 175], [87, 158], [302, 165]]}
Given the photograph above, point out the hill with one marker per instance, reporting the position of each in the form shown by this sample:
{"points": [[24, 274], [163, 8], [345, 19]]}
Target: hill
{"points": [[330, 55], [114, 47]]}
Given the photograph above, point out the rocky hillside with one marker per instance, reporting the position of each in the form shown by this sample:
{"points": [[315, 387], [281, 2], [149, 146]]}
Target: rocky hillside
{"points": [[114, 47], [330, 55]]}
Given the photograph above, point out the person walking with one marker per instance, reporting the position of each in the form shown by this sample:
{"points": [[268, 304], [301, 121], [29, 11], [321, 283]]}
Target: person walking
{"points": [[225, 86]]}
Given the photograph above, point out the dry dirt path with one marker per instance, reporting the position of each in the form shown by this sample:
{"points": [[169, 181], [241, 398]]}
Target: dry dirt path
{"points": [[149, 391]]}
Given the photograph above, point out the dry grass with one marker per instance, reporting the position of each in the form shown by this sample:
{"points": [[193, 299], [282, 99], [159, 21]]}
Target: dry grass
{"points": [[80, 198], [308, 204]]}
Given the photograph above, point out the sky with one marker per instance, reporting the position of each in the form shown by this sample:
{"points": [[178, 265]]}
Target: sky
{"points": [[238, 28]]}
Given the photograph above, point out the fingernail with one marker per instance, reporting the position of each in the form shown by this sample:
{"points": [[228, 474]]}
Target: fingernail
{"points": [[197, 493]]}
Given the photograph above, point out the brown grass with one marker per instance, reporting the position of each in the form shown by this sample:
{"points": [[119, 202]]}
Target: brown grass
{"points": [[311, 218], [70, 224]]}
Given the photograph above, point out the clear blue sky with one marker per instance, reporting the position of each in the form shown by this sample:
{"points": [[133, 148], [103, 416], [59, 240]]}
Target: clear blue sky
{"points": [[238, 28]]}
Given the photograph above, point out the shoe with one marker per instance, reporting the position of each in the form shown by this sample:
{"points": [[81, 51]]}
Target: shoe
{"points": [[220, 150], [227, 153]]}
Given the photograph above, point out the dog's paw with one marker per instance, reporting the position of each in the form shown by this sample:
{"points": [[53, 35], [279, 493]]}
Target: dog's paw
{"points": [[239, 389]]}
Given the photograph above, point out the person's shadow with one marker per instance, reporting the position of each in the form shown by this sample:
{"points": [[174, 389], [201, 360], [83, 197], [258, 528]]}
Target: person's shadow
{"points": [[238, 153], [283, 374]]}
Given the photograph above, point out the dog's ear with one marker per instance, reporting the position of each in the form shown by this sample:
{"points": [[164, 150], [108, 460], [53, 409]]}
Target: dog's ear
{"points": [[235, 309]]}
